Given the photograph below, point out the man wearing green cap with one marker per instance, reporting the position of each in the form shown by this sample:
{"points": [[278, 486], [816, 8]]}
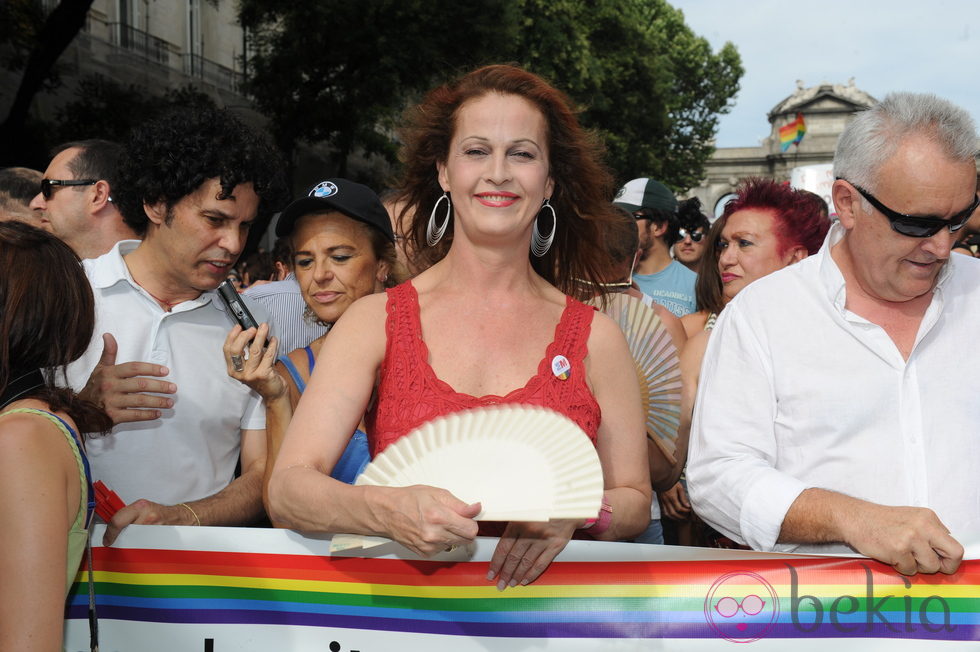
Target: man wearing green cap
{"points": [[654, 206]]}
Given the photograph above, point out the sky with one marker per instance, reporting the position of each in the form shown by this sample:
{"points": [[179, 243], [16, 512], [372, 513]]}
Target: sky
{"points": [[902, 45]]}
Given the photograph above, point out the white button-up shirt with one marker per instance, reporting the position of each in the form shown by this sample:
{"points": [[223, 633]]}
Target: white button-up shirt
{"points": [[796, 392], [192, 450]]}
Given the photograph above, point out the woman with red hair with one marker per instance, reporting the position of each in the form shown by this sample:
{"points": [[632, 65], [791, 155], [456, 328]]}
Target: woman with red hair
{"points": [[764, 228], [505, 203]]}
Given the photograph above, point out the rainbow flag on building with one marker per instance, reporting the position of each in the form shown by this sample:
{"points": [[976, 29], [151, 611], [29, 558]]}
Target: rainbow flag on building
{"points": [[792, 133]]}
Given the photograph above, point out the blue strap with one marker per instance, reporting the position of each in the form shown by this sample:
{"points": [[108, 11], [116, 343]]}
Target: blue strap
{"points": [[357, 454], [85, 465], [294, 372]]}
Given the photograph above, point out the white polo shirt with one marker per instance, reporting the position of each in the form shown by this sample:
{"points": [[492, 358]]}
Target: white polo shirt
{"points": [[797, 391], [192, 450]]}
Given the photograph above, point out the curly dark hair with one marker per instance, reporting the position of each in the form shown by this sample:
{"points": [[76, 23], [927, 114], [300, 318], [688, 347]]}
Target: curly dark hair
{"points": [[43, 288], [171, 156], [583, 186], [689, 216]]}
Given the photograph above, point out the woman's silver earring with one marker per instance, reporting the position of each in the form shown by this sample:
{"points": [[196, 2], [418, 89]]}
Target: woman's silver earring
{"points": [[541, 244], [433, 233], [311, 318]]}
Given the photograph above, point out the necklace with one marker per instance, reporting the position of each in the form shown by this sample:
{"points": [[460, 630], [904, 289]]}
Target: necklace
{"points": [[167, 305]]}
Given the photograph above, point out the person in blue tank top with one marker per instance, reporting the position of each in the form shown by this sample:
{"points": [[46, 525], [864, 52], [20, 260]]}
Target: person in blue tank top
{"points": [[343, 249], [47, 315]]}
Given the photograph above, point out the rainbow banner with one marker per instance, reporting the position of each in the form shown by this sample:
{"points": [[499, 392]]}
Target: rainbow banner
{"points": [[185, 588], [792, 133]]}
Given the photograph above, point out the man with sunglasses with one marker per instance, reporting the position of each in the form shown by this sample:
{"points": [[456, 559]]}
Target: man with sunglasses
{"points": [[693, 227], [837, 408], [74, 201]]}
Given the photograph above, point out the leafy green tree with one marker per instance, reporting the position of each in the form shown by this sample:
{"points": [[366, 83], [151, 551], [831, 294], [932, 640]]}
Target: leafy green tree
{"points": [[33, 46], [652, 88], [341, 72], [702, 88], [103, 108]]}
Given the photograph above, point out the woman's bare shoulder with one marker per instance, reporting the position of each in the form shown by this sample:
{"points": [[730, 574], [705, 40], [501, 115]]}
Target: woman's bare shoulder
{"points": [[694, 323], [693, 352], [29, 433]]}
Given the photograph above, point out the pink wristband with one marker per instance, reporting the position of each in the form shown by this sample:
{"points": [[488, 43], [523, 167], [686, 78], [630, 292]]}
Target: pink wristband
{"points": [[597, 526]]}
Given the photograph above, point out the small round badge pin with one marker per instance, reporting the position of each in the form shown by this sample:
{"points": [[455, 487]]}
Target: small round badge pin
{"points": [[561, 367]]}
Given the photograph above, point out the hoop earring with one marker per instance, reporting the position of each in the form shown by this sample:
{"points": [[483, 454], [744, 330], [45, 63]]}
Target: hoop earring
{"points": [[433, 233], [541, 244]]}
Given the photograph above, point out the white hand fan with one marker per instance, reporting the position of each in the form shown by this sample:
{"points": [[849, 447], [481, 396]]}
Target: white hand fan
{"points": [[522, 463], [657, 367]]}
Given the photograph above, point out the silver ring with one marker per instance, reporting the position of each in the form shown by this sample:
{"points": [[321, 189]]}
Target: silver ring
{"points": [[451, 548], [236, 362]]}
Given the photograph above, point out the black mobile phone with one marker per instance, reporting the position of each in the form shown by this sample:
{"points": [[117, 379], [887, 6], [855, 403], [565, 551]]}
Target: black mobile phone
{"points": [[237, 305]]}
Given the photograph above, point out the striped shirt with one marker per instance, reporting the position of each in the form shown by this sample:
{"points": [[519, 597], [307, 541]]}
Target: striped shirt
{"points": [[283, 300]]}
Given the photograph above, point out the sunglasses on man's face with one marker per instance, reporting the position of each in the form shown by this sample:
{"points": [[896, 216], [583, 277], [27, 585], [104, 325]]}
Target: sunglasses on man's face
{"points": [[47, 185], [695, 236], [919, 227]]}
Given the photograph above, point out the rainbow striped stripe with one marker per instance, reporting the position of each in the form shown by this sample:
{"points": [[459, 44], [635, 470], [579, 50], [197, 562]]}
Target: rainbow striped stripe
{"points": [[803, 597]]}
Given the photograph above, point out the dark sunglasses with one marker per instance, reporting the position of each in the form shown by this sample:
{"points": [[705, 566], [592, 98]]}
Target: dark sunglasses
{"points": [[47, 184], [920, 227], [695, 236]]}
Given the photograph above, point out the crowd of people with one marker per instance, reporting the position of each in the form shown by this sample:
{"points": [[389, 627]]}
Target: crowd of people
{"points": [[824, 401]]}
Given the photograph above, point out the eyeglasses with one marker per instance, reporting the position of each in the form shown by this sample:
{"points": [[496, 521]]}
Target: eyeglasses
{"points": [[751, 605], [695, 236], [47, 190], [919, 227], [642, 215]]}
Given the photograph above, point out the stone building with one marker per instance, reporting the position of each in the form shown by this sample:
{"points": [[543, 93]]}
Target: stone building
{"points": [[154, 45], [826, 108]]}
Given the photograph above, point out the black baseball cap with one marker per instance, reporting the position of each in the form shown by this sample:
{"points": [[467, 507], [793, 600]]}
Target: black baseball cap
{"points": [[354, 200]]}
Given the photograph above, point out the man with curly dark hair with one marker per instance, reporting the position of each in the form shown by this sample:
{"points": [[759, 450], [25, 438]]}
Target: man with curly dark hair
{"points": [[191, 185], [693, 226]]}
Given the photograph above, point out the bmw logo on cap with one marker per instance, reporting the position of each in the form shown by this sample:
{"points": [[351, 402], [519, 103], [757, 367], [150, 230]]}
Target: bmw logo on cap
{"points": [[324, 189]]}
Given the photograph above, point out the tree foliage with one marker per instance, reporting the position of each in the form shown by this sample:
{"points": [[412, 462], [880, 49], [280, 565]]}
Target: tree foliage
{"points": [[103, 108], [341, 72], [35, 51], [651, 87]]}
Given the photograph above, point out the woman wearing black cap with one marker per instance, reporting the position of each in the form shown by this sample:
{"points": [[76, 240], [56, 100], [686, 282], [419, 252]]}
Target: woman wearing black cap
{"points": [[343, 249], [518, 204]]}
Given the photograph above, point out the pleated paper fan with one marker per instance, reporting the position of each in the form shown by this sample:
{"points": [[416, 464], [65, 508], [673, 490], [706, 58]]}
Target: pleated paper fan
{"points": [[657, 367], [522, 463]]}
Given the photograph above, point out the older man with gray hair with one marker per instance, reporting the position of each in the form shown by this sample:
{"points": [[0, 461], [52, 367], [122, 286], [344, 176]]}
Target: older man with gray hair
{"points": [[837, 410]]}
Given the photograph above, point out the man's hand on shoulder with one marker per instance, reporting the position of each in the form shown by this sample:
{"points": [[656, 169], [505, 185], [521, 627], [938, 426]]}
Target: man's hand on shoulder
{"points": [[127, 391]]}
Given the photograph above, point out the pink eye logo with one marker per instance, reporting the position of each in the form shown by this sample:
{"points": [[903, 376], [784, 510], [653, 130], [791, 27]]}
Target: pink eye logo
{"points": [[751, 606], [741, 607]]}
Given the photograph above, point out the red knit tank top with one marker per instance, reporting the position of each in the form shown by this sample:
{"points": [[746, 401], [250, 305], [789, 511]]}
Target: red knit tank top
{"points": [[409, 393]]}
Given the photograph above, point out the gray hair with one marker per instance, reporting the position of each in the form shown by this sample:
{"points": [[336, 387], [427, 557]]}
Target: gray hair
{"points": [[874, 135]]}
